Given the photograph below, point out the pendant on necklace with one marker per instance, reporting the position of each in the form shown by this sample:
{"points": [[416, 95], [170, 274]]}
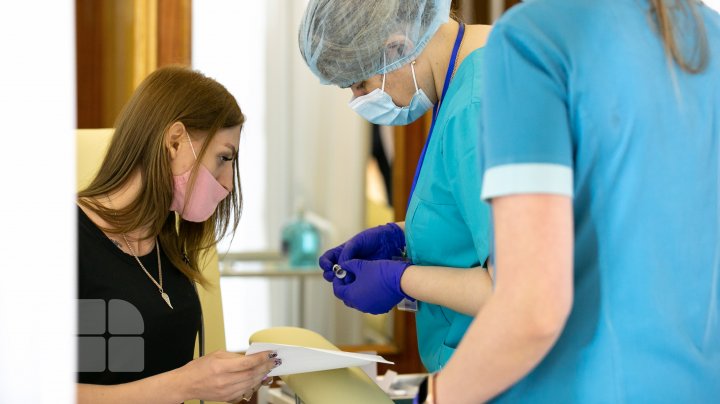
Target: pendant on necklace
{"points": [[166, 298]]}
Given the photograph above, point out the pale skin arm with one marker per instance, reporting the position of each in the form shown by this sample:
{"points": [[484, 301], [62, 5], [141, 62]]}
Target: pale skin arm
{"points": [[162, 388], [219, 376], [527, 311], [462, 290]]}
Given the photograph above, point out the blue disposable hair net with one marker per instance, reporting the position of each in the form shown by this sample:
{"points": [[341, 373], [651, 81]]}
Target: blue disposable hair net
{"points": [[348, 41]]}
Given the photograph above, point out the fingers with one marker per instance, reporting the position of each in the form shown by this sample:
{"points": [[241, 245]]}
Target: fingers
{"points": [[244, 383], [243, 397], [328, 275], [250, 381], [228, 377], [353, 268], [351, 250], [342, 286], [240, 399], [342, 292], [328, 259], [247, 396], [257, 363], [339, 289], [353, 265], [264, 362]]}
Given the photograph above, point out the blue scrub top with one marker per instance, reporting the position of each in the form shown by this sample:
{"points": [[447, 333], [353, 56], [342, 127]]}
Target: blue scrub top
{"points": [[446, 224], [582, 101]]}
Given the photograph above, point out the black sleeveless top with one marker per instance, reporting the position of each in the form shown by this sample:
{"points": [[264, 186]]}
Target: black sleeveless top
{"points": [[126, 331]]}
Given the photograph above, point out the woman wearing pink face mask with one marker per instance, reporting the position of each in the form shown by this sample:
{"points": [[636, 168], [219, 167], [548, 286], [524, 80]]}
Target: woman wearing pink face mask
{"points": [[168, 188]]}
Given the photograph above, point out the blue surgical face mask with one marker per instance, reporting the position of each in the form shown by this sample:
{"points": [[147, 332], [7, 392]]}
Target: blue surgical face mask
{"points": [[379, 108]]}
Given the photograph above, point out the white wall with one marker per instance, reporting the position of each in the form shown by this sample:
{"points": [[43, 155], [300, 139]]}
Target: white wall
{"points": [[713, 4], [330, 145], [301, 142], [228, 45], [318, 145], [38, 249]]}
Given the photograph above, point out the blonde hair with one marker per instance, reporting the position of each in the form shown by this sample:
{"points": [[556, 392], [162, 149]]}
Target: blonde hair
{"points": [[168, 95], [668, 15]]}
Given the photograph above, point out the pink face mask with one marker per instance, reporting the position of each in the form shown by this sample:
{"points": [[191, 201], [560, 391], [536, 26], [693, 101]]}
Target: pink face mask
{"points": [[205, 197]]}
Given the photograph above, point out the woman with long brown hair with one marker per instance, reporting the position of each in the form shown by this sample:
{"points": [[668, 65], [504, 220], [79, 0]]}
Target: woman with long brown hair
{"points": [[167, 190], [602, 166]]}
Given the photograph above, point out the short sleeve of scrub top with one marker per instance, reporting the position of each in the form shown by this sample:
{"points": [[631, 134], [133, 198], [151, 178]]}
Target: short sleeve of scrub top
{"points": [[447, 224], [528, 149]]}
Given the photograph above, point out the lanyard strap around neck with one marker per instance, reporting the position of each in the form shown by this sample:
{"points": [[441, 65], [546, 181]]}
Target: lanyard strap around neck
{"points": [[436, 110]]}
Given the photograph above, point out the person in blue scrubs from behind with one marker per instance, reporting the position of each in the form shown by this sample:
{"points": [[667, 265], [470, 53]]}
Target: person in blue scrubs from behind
{"points": [[602, 158], [401, 58]]}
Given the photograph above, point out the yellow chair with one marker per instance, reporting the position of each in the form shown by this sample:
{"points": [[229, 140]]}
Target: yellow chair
{"points": [[91, 145], [346, 386]]}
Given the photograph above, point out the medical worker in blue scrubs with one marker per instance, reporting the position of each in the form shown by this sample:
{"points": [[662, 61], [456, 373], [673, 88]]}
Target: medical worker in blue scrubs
{"points": [[601, 149], [402, 58]]}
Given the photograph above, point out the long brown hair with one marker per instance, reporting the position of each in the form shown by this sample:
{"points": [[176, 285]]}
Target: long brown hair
{"points": [[668, 15], [168, 95]]}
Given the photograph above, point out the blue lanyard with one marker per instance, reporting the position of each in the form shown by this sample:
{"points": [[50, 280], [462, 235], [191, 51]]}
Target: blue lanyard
{"points": [[448, 79]]}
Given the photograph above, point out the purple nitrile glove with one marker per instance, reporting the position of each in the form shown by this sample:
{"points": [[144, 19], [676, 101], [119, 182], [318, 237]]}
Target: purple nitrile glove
{"points": [[381, 242], [376, 288], [328, 259], [377, 243]]}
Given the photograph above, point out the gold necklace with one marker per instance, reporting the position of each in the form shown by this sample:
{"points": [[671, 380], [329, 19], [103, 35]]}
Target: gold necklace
{"points": [[159, 285], [132, 251]]}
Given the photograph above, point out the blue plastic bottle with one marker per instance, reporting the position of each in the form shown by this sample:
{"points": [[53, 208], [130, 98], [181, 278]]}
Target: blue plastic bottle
{"points": [[301, 242]]}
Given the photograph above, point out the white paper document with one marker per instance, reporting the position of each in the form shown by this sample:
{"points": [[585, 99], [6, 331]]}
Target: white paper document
{"points": [[300, 359]]}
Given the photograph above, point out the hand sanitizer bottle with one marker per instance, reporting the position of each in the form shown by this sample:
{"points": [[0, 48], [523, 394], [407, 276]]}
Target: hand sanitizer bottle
{"points": [[301, 241]]}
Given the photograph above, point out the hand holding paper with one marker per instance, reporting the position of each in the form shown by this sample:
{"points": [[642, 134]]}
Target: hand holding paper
{"points": [[298, 359]]}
